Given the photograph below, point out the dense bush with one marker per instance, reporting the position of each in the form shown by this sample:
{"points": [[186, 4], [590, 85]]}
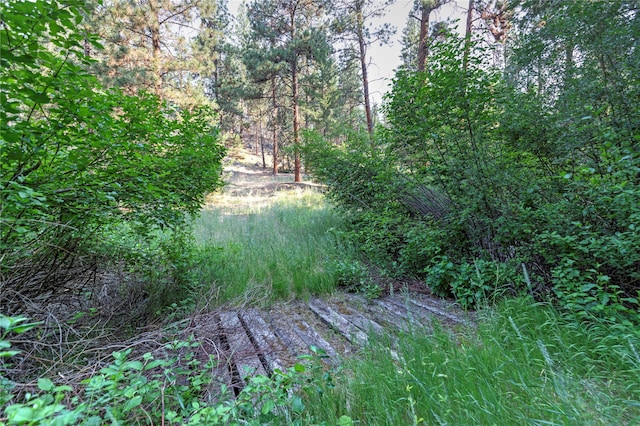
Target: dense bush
{"points": [[479, 171], [75, 157]]}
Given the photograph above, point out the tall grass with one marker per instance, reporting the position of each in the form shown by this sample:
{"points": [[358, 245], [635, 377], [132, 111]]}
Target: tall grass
{"points": [[523, 365], [265, 252]]}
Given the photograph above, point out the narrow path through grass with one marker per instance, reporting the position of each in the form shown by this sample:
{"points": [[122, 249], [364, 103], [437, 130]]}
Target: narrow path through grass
{"points": [[264, 239]]}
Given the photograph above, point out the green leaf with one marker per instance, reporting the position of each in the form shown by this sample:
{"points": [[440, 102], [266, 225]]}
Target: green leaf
{"points": [[45, 384], [268, 406], [5, 322], [10, 323], [109, 371], [135, 365], [19, 414], [25, 327], [297, 405], [345, 421], [63, 388], [39, 98], [154, 364], [132, 403]]}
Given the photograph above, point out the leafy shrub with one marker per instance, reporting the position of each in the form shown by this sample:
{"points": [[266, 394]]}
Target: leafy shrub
{"points": [[475, 170], [424, 243], [440, 276], [589, 292], [162, 390], [75, 157], [350, 275], [377, 202], [377, 234], [484, 280], [591, 238]]}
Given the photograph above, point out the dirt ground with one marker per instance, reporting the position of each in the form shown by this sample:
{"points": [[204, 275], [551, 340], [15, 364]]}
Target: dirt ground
{"points": [[248, 184]]}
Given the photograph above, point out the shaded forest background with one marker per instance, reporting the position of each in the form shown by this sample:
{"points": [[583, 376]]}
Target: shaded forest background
{"points": [[504, 160]]}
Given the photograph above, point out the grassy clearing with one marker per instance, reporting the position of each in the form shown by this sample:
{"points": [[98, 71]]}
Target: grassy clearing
{"points": [[259, 252], [524, 365]]}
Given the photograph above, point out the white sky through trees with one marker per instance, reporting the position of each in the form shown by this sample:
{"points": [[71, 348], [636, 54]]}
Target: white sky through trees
{"points": [[385, 59]]}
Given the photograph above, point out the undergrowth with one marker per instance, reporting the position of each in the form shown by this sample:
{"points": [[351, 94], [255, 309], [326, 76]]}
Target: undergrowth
{"points": [[525, 364], [175, 389], [278, 252]]}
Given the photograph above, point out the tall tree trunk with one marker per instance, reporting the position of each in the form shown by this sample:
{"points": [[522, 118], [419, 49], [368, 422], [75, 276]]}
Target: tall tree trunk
{"points": [[423, 46], [264, 162], [467, 37], [154, 29], [274, 108], [296, 124], [216, 87], [363, 64], [296, 112]]}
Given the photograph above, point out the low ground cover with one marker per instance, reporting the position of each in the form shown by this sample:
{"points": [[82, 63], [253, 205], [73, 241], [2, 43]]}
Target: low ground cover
{"points": [[524, 364]]}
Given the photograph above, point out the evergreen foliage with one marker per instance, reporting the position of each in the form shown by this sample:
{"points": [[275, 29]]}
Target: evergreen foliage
{"points": [[152, 46]]}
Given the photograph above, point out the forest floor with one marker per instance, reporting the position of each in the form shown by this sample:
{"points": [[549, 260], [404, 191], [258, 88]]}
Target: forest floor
{"points": [[249, 185], [405, 357], [248, 339], [245, 335]]}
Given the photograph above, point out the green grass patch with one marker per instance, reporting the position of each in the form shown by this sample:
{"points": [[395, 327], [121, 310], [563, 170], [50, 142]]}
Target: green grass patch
{"points": [[525, 364], [276, 252]]}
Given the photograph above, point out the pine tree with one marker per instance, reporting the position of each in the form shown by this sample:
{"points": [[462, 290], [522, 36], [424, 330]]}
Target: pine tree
{"points": [[410, 41], [148, 46], [285, 34], [353, 27]]}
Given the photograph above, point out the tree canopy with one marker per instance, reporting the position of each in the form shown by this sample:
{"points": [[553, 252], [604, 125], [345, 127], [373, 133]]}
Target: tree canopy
{"points": [[512, 175]]}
